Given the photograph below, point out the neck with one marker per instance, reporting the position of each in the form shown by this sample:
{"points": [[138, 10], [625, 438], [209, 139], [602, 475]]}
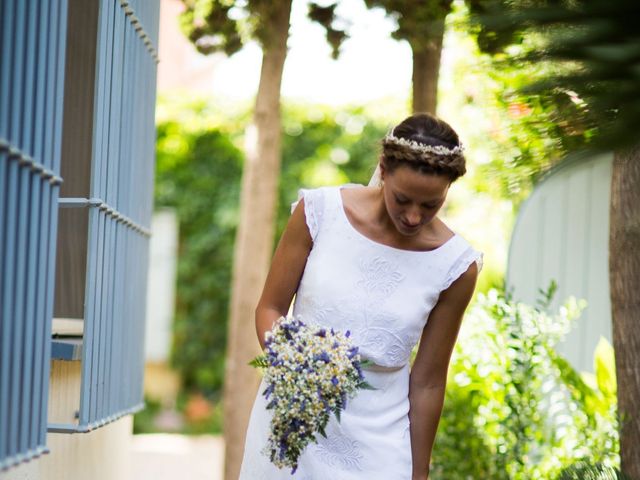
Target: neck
{"points": [[380, 213]]}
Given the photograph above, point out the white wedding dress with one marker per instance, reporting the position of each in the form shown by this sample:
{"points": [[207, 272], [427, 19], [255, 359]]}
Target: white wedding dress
{"points": [[383, 295]]}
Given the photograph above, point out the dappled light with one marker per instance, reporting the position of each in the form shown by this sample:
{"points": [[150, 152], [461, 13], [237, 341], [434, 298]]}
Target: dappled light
{"points": [[417, 219]]}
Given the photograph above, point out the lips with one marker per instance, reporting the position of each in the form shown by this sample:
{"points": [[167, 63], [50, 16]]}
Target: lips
{"points": [[409, 226]]}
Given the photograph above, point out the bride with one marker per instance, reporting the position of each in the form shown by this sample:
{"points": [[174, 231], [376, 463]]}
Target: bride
{"points": [[377, 261]]}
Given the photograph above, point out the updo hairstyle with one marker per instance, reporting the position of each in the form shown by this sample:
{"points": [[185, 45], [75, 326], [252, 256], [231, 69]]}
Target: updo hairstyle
{"points": [[419, 131]]}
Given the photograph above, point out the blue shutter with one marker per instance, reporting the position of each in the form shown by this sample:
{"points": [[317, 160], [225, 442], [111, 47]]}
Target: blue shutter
{"points": [[119, 208], [32, 58]]}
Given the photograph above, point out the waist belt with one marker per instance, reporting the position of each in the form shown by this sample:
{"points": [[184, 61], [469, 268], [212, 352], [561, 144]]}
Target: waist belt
{"points": [[379, 368]]}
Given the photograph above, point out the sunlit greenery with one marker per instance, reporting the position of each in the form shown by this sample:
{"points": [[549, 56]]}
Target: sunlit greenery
{"points": [[198, 173], [514, 409]]}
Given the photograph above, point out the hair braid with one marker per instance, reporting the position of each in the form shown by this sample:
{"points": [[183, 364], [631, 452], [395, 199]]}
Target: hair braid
{"points": [[426, 144]]}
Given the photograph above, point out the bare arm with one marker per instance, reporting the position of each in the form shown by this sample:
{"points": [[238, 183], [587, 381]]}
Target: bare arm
{"points": [[429, 371], [284, 275]]}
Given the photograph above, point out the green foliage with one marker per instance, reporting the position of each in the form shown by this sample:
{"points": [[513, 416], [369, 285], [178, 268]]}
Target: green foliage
{"points": [[210, 26], [514, 409], [325, 148], [590, 49], [198, 175], [419, 21], [143, 421], [530, 132], [326, 17], [587, 471], [226, 25], [259, 362]]}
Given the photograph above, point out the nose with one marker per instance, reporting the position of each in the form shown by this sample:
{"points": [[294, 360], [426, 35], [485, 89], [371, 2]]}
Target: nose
{"points": [[412, 217]]}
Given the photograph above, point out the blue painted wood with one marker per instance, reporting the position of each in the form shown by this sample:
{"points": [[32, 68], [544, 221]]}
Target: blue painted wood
{"points": [[100, 319], [6, 346], [51, 192], [8, 314], [5, 326], [40, 384], [6, 18], [33, 391], [17, 69], [29, 246], [32, 43], [121, 178], [6, 34], [29, 301], [41, 79], [26, 140], [60, 56], [66, 349]]}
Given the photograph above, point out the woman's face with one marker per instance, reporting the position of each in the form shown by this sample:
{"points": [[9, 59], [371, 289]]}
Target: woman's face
{"points": [[412, 198]]}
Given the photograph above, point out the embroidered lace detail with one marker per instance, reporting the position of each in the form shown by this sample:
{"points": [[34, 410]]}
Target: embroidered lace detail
{"points": [[379, 276], [462, 264], [339, 451], [385, 347], [313, 209], [383, 296]]}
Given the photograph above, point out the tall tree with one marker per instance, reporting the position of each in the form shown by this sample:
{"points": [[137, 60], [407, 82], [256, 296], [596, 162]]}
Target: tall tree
{"points": [[421, 23], [595, 47], [212, 26]]}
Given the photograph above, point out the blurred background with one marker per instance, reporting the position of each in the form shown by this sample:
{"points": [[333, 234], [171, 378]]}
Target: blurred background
{"points": [[539, 215], [254, 100]]}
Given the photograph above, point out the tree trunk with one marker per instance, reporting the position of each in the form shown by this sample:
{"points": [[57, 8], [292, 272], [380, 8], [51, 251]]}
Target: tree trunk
{"points": [[426, 67], [254, 239], [624, 273]]}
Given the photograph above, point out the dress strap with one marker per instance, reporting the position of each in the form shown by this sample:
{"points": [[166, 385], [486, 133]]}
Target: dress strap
{"points": [[314, 205], [467, 256]]}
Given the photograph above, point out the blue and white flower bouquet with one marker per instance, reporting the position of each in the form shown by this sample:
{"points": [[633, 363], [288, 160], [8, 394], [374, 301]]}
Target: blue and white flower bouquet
{"points": [[310, 372]]}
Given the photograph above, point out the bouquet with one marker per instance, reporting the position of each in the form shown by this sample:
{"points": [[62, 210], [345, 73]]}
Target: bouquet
{"points": [[310, 372]]}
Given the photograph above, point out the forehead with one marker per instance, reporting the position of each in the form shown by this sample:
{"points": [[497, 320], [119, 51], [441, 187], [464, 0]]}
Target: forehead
{"points": [[416, 185]]}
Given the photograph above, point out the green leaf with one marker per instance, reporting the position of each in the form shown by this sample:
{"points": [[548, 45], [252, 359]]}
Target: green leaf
{"points": [[364, 385], [259, 362], [337, 412], [605, 368]]}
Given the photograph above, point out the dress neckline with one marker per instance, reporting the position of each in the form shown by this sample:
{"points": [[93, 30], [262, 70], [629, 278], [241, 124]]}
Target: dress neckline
{"points": [[374, 242]]}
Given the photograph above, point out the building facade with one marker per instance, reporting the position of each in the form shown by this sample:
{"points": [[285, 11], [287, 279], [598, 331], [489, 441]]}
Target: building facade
{"points": [[77, 149]]}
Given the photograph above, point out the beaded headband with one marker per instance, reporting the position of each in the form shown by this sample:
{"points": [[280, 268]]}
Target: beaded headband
{"points": [[420, 148]]}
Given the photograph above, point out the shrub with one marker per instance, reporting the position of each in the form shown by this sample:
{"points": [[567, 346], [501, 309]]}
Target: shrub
{"points": [[514, 409]]}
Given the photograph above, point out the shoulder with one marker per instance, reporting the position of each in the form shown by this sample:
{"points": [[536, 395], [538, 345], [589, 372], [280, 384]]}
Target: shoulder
{"points": [[356, 198], [311, 206], [465, 263]]}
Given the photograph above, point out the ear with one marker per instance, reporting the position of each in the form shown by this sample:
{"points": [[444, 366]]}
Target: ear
{"points": [[383, 170]]}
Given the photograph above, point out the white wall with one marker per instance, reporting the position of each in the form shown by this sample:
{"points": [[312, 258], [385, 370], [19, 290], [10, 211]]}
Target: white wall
{"points": [[161, 289], [102, 454], [562, 233]]}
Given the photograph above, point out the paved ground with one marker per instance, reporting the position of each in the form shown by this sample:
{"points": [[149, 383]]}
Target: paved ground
{"points": [[166, 456]]}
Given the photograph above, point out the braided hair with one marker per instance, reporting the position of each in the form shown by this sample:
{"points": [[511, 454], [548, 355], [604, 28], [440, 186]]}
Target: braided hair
{"points": [[425, 144]]}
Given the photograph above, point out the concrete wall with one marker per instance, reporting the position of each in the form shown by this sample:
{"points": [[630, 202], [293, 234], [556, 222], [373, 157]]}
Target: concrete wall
{"points": [[102, 454]]}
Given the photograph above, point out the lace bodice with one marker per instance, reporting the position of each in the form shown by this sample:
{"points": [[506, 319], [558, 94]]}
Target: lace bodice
{"points": [[382, 294]]}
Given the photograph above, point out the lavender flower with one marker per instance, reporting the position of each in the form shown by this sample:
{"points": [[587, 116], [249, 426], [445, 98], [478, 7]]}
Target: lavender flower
{"points": [[310, 373]]}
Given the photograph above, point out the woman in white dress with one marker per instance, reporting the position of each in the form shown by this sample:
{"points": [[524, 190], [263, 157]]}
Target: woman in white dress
{"points": [[379, 262]]}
